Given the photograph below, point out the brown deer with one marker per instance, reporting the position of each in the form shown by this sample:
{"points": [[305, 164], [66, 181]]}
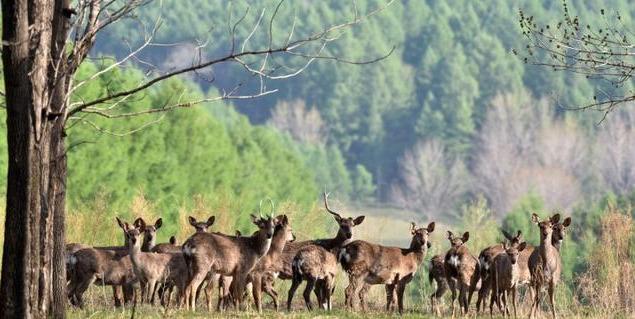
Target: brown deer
{"points": [[503, 275], [461, 266], [485, 259], [281, 236], [343, 237], [391, 266], [227, 256], [101, 265], [152, 269], [545, 264]]}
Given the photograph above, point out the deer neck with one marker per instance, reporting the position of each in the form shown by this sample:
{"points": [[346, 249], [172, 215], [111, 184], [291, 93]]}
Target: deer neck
{"points": [[261, 243], [417, 250], [340, 240], [278, 242], [547, 248], [135, 252]]}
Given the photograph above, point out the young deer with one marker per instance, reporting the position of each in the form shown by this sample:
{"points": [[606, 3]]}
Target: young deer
{"points": [[485, 259], [101, 266], [343, 237], [281, 236], [227, 256], [503, 275], [391, 266], [154, 268], [544, 263], [461, 266]]}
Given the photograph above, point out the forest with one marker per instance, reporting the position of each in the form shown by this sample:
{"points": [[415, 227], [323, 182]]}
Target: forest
{"points": [[450, 127]]}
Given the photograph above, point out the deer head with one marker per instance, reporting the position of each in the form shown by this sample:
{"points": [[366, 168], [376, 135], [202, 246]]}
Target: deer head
{"points": [[513, 240], [282, 224], [513, 250], [546, 226], [133, 233], [345, 224], [559, 230], [150, 232], [265, 225], [457, 242], [420, 236], [201, 227]]}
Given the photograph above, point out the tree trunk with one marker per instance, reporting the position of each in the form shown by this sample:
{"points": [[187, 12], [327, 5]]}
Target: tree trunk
{"points": [[33, 275]]}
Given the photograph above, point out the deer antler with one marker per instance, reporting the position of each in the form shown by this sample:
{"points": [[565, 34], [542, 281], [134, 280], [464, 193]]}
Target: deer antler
{"points": [[272, 207], [326, 205]]}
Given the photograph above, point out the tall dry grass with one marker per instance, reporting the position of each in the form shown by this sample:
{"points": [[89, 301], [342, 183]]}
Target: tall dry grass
{"points": [[609, 282]]}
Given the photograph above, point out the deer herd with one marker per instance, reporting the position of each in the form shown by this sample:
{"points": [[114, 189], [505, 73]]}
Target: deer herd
{"points": [[143, 271]]}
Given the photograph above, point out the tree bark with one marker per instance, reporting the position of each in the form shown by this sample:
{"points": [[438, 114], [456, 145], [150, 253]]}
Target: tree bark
{"points": [[33, 275]]}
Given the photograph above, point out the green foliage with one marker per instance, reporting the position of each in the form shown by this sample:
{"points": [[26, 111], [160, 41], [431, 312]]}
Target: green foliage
{"points": [[363, 186], [447, 67]]}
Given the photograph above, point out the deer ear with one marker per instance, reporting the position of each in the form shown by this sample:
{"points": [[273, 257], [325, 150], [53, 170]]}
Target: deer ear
{"points": [[534, 218], [358, 220], [142, 225], [254, 219], [210, 221], [137, 222], [566, 222], [555, 218], [466, 236], [192, 220], [121, 224], [450, 235], [285, 220], [158, 223], [519, 233], [173, 240], [507, 235], [431, 227], [522, 246]]}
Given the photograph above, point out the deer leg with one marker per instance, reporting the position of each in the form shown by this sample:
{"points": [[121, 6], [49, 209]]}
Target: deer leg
{"points": [[362, 296], [401, 287], [329, 284], [256, 281], [482, 294], [310, 284], [514, 301], [357, 284], [295, 282], [463, 297], [210, 280], [267, 286], [192, 288], [117, 295], [551, 290], [535, 301], [81, 288], [453, 291], [390, 290]]}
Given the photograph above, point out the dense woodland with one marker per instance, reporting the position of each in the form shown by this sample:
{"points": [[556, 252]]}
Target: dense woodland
{"points": [[449, 123]]}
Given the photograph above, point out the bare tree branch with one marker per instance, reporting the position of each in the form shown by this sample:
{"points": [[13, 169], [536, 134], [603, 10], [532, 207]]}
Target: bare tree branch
{"points": [[289, 48], [603, 52]]}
